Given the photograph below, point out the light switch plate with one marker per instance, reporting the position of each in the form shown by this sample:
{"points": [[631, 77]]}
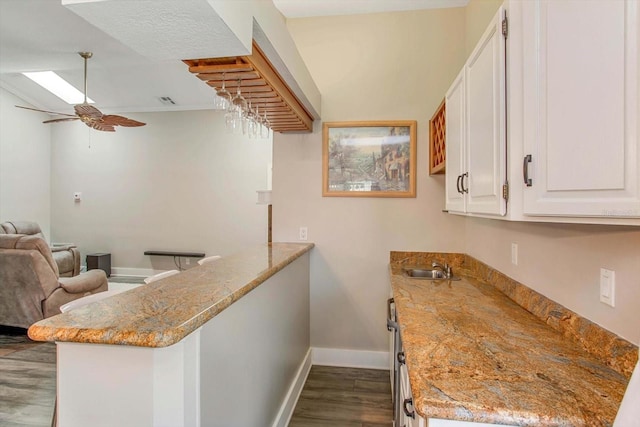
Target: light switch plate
{"points": [[303, 233], [608, 287], [514, 253]]}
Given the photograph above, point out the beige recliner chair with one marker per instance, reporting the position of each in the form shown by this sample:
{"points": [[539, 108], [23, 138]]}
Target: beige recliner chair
{"points": [[66, 256], [30, 286]]}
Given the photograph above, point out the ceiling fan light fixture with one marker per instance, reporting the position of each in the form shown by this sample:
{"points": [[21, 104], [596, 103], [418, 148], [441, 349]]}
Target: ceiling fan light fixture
{"points": [[88, 114], [58, 86]]}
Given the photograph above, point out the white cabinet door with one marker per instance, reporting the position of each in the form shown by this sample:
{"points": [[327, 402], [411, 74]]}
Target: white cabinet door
{"points": [[475, 126], [485, 118], [580, 77], [455, 156], [405, 393]]}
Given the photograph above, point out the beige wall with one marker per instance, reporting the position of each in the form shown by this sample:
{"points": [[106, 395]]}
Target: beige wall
{"points": [[399, 65], [563, 261], [179, 183], [367, 67], [24, 163]]}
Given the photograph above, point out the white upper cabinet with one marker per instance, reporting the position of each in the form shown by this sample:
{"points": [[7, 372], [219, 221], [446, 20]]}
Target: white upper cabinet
{"points": [[455, 158], [485, 118], [476, 144], [580, 108], [560, 126]]}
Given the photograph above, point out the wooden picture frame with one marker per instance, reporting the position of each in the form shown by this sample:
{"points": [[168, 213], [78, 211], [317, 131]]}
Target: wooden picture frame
{"points": [[369, 159]]}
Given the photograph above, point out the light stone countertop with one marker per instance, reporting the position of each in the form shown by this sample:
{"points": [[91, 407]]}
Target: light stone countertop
{"points": [[473, 354], [164, 312]]}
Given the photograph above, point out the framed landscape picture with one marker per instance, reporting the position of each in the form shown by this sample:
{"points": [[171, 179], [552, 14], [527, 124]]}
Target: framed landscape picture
{"points": [[369, 159]]}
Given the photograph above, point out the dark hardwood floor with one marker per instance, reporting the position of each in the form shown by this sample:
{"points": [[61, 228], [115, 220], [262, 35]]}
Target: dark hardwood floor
{"points": [[27, 380], [345, 397]]}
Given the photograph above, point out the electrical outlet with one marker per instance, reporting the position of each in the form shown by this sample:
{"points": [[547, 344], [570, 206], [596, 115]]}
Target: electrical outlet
{"points": [[303, 233], [514, 253], [608, 287]]}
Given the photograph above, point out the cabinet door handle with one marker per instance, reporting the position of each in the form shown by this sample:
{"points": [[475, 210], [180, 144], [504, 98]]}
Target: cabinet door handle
{"points": [[391, 323], [458, 184], [525, 170], [408, 413], [464, 175], [401, 358]]}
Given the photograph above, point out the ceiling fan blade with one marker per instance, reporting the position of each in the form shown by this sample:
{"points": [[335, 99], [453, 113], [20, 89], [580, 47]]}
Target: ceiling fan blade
{"points": [[89, 114], [115, 120], [66, 119], [45, 111], [99, 125], [88, 111]]}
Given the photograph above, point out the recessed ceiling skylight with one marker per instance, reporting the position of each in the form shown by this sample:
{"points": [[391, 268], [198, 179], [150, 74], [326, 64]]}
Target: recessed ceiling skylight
{"points": [[58, 86]]}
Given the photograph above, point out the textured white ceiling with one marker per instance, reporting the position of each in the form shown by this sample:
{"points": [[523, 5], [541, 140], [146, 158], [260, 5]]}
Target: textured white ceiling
{"points": [[162, 29], [136, 54], [37, 35]]}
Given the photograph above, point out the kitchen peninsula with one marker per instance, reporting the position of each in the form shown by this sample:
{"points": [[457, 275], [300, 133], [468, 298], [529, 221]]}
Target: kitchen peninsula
{"points": [[221, 342]]}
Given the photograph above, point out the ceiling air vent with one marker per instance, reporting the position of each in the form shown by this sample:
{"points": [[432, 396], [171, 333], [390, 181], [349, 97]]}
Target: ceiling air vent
{"points": [[166, 100]]}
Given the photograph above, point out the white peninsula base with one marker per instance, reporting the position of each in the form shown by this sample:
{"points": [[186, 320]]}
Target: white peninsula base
{"points": [[236, 369]]}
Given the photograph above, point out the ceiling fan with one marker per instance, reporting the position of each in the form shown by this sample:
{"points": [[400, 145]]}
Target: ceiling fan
{"points": [[88, 114]]}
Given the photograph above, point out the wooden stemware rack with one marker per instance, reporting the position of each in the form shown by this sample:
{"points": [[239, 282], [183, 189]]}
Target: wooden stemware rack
{"points": [[260, 84]]}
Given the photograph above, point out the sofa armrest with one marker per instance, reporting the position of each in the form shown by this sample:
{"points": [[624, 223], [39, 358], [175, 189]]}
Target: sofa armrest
{"points": [[85, 282], [68, 259]]}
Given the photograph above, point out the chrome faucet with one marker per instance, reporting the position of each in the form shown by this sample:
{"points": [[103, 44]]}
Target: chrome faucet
{"points": [[444, 268]]}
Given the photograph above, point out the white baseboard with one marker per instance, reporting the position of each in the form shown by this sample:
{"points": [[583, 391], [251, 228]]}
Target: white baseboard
{"points": [[289, 404], [350, 358], [135, 272]]}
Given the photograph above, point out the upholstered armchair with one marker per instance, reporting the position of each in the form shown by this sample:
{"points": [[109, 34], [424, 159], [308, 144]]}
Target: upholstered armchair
{"points": [[66, 256], [31, 288]]}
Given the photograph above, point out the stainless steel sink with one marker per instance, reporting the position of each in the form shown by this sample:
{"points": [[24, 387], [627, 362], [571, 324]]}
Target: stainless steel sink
{"points": [[423, 273]]}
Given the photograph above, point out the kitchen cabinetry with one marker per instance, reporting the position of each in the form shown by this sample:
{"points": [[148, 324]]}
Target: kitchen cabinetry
{"points": [[455, 157], [407, 415], [559, 130], [476, 143], [580, 128]]}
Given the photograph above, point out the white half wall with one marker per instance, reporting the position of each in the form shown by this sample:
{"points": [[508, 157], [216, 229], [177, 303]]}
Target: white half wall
{"points": [[367, 67], [25, 149], [255, 350], [179, 183]]}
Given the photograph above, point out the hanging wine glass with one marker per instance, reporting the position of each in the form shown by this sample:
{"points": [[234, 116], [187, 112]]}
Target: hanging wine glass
{"points": [[265, 125], [236, 121], [253, 118], [221, 100]]}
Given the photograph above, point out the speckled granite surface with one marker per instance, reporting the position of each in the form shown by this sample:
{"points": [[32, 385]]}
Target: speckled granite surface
{"points": [[162, 313], [475, 354]]}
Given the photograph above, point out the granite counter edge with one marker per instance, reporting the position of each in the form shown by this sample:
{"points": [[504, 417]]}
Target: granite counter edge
{"points": [[41, 331]]}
